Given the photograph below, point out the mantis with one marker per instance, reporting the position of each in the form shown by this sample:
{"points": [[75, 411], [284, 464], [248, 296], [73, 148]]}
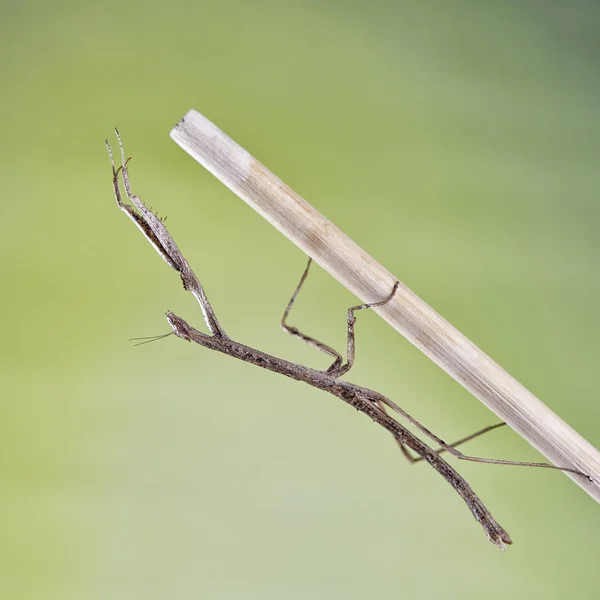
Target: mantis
{"points": [[374, 405]]}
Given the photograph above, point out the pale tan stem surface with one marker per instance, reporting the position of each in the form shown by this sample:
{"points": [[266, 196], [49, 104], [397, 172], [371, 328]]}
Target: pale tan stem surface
{"points": [[407, 313]]}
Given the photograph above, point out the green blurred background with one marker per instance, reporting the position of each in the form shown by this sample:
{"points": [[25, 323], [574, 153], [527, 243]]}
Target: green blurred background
{"points": [[457, 142]]}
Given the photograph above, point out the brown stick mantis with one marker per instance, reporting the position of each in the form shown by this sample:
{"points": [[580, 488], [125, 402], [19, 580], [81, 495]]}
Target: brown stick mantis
{"points": [[371, 403]]}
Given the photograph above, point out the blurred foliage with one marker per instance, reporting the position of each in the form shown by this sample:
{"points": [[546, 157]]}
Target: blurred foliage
{"points": [[458, 142]]}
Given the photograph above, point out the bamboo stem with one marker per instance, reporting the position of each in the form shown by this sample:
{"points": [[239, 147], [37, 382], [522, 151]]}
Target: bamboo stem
{"points": [[407, 313]]}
